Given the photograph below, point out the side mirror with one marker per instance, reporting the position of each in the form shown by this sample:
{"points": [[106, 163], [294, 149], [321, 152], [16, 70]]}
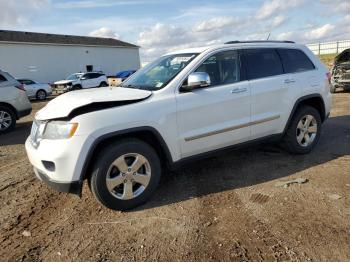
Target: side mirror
{"points": [[196, 80]]}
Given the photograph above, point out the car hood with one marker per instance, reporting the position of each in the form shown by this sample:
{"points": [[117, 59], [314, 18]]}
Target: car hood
{"points": [[98, 98], [343, 57], [63, 82]]}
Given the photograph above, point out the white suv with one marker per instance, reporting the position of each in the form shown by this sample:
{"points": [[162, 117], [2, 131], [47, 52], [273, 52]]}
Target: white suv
{"points": [[82, 80], [14, 102], [184, 105]]}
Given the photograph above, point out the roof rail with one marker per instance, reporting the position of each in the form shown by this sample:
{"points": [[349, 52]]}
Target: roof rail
{"points": [[260, 41]]}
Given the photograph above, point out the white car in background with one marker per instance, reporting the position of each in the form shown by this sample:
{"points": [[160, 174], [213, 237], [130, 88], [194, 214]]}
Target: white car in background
{"points": [[82, 80], [36, 90]]}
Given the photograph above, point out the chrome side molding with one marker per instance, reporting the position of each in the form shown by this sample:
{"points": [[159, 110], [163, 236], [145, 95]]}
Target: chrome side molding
{"points": [[228, 129]]}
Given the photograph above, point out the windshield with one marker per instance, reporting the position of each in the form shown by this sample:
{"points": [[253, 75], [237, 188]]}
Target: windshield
{"points": [[74, 77], [159, 73]]}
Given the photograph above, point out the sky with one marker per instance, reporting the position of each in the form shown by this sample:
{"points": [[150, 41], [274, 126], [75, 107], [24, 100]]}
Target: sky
{"points": [[161, 26]]}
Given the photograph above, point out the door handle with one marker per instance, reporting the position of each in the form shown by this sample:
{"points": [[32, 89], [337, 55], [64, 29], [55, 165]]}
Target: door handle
{"points": [[288, 81], [239, 90]]}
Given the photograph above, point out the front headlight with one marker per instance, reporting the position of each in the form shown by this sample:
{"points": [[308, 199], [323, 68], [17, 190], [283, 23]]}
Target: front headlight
{"points": [[59, 130]]}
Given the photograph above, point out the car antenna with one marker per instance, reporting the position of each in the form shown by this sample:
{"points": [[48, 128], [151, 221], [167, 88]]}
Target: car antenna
{"points": [[268, 37]]}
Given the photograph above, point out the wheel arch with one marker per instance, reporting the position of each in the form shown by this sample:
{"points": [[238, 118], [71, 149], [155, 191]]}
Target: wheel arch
{"points": [[314, 100], [10, 107], [40, 89], [147, 134]]}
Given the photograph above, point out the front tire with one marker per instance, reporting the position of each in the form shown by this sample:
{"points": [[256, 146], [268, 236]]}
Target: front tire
{"points": [[7, 119], [304, 131], [333, 89], [76, 87], [125, 175]]}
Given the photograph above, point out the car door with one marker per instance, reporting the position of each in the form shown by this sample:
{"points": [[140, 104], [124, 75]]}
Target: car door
{"points": [[97, 79], [216, 116], [270, 88], [303, 73], [86, 81]]}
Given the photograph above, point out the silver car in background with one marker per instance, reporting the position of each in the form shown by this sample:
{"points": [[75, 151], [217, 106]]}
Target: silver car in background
{"points": [[14, 102], [36, 90]]}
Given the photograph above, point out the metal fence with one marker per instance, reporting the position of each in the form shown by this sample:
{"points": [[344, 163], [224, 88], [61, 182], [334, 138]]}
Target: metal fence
{"points": [[329, 47]]}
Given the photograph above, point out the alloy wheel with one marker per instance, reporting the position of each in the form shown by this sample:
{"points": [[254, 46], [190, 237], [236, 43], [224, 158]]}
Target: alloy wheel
{"points": [[128, 176], [306, 130], [41, 95], [5, 120]]}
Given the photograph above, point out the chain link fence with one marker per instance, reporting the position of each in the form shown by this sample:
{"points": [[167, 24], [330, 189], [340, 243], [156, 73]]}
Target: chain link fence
{"points": [[329, 47]]}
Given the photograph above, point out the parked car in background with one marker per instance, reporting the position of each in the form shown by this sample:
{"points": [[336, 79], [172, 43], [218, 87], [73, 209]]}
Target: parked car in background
{"points": [[14, 102], [81, 81], [119, 77], [180, 107], [36, 90], [341, 71]]}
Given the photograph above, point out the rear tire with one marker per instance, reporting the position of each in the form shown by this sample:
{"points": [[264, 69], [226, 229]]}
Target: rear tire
{"points": [[118, 182], [303, 131], [333, 89], [7, 119], [41, 95]]}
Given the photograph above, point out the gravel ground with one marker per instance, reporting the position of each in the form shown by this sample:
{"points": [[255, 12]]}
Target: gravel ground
{"points": [[224, 208]]}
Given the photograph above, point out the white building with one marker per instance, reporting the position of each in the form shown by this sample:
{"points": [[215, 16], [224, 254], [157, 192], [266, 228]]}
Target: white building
{"points": [[51, 57]]}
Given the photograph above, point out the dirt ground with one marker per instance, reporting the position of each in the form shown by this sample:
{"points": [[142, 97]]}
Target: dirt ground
{"points": [[225, 208]]}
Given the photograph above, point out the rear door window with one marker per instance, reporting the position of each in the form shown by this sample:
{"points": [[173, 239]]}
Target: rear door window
{"points": [[223, 68], [87, 76], [95, 75], [262, 62], [2, 78], [295, 60]]}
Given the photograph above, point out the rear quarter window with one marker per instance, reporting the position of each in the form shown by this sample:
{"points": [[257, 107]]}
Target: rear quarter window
{"points": [[295, 60], [2, 78], [262, 62]]}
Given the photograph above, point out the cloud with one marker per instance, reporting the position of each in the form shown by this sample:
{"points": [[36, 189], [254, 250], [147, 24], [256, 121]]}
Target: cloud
{"points": [[273, 7], [104, 32], [99, 4], [217, 24], [278, 21], [18, 12], [339, 6], [320, 32], [162, 35]]}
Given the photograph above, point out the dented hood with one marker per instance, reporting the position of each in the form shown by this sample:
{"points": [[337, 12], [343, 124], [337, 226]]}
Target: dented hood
{"points": [[63, 105], [343, 57], [63, 82]]}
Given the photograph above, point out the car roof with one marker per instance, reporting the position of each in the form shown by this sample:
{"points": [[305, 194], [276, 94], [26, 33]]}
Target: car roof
{"points": [[237, 44]]}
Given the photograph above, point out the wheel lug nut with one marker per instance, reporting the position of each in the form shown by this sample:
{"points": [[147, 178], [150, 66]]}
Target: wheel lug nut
{"points": [[134, 174], [129, 169], [125, 181]]}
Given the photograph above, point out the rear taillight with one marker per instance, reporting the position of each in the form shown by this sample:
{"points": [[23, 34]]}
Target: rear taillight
{"points": [[21, 87], [329, 77]]}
